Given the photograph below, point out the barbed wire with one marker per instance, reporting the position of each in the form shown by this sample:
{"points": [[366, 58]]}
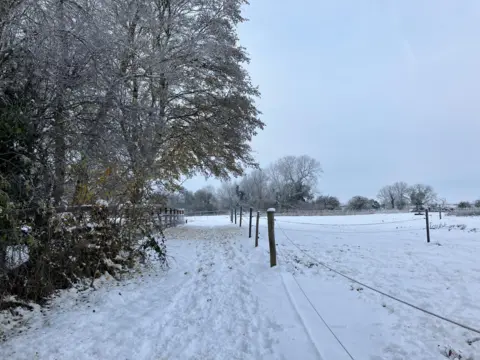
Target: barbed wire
{"points": [[454, 322]]}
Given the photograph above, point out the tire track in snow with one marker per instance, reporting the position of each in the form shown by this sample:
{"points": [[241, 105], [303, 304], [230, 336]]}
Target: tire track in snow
{"points": [[301, 319]]}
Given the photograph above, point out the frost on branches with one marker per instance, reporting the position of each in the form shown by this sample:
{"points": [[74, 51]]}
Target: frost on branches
{"points": [[99, 98]]}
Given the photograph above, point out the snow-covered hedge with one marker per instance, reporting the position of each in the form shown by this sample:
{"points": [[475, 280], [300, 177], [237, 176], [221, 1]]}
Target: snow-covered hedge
{"points": [[58, 250]]}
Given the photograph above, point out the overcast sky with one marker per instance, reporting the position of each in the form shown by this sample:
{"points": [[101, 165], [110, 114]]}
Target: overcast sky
{"points": [[378, 91]]}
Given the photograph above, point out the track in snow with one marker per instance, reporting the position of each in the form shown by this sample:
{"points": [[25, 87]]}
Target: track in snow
{"points": [[203, 308]]}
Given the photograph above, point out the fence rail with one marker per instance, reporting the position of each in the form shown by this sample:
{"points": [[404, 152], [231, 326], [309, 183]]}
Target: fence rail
{"points": [[168, 216]]}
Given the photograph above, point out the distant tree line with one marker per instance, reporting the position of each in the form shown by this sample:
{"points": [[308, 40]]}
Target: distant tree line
{"points": [[290, 183], [468, 204], [400, 195]]}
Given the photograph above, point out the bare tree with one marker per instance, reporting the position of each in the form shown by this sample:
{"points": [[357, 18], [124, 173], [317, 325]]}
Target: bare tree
{"points": [[401, 191], [395, 196], [256, 188], [226, 195], [422, 195], [387, 196], [294, 179]]}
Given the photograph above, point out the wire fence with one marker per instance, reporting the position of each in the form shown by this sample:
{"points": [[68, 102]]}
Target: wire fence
{"points": [[351, 224], [247, 219], [348, 228], [381, 292]]}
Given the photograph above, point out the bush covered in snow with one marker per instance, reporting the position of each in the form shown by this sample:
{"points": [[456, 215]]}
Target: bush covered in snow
{"points": [[57, 250]]}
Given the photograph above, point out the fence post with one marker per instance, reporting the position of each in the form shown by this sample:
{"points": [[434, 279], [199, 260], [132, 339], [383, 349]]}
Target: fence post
{"points": [[256, 230], [440, 213], [250, 225], [271, 236], [235, 215], [428, 225], [241, 213], [231, 215], [171, 217]]}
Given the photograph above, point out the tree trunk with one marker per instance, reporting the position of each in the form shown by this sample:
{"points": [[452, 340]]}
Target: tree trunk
{"points": [[3, 259], [59, 156], [59, 114]]}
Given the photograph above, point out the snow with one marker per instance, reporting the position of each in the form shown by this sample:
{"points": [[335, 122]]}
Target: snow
{"points": [[221, 300], [16, 255]]}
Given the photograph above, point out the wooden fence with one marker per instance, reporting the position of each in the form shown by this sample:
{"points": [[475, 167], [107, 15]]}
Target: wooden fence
{"points": [[167, 216]]}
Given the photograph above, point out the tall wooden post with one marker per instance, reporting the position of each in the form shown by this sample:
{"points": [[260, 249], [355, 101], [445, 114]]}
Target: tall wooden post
{"points": [[231, 215], [256, 230], [241, 213], [428, 225], [271, 237], [235, 216], [250, 224]]}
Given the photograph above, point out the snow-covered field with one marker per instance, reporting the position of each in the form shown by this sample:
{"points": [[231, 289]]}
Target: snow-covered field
{"points": [[221, 300]]}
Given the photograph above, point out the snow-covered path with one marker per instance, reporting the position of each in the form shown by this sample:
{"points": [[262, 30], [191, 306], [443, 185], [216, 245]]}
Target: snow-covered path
{"points": [[206, 307]]}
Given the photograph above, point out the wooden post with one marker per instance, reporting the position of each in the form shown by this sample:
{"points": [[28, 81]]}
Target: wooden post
{"points": [[256, 230], [171, 217], [231, 215], [250, 225], [271, 237], [428, 225], [241, 213], [440, 213], [235, 216]]}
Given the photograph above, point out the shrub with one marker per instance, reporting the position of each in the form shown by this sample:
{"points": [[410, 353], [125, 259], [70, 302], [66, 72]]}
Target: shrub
{"points": [[466, 212], [359, 203], [464, 205], [57, 250]]}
